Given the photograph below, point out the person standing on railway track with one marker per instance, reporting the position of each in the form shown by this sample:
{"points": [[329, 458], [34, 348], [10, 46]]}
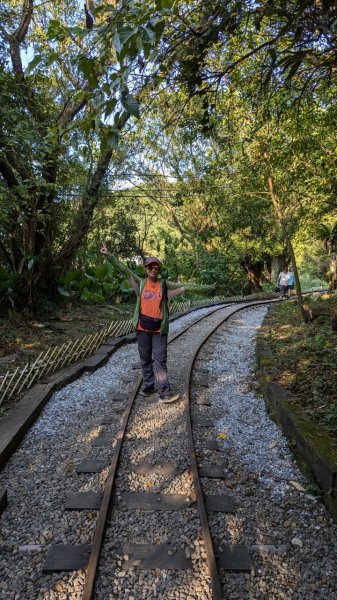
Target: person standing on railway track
{"points": [[151, 321], [283, 282]]}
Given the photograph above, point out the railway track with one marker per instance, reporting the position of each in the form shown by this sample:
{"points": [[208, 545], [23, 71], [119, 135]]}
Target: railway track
{"points": [[289, 534], [161, 493]]}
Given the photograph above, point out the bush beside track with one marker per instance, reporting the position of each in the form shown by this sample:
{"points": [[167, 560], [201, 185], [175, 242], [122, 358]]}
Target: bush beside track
{"points": [[293, 361]]}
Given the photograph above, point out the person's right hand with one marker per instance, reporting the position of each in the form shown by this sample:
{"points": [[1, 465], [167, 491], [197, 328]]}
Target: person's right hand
{"points": [[104, 249]]}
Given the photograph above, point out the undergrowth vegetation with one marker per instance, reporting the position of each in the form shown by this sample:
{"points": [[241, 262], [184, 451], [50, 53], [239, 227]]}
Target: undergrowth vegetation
{"points": [[306, 356]]}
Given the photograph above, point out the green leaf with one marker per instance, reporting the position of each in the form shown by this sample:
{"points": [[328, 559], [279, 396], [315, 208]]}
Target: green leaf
{"points": [[115, 81], [57, 31], [83, 284], [97, 122], [110, 107], [160, 4], [159, 28], [33, 63], [106, 286], [101, 272], [111, 138], [125, 33], [88, 68], [147, 49], [149, 33], [116, 42], [131, 105], [52, 57], [72, 276]]}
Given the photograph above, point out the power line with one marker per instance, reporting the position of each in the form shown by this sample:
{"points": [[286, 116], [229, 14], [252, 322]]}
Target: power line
{"points": [[148, 195], [76, 191], [124, 196], [146, 175]]}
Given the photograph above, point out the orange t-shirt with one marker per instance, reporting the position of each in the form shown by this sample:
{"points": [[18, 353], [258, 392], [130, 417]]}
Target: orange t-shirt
{"points": [[150, 302]]}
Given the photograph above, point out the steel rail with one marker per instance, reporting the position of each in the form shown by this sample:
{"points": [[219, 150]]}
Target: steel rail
{"points": [[89, 583], [213, 570]]}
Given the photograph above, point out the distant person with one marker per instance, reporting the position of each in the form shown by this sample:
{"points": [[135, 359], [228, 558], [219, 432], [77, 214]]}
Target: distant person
{"points": [[151, 321], [291, 283], [283, 282]]}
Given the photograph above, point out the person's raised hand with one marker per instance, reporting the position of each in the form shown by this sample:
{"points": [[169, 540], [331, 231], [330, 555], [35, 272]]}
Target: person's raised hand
{"points": [[104, 249]]}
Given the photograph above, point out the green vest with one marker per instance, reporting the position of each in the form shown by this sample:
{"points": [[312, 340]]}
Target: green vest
{"points": [[165, 318]]}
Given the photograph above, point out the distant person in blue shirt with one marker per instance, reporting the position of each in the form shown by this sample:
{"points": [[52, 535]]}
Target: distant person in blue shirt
{"points": [[291, 283]]}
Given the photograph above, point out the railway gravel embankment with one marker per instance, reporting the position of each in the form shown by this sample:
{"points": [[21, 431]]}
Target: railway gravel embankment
{"points": [[290, 535]]}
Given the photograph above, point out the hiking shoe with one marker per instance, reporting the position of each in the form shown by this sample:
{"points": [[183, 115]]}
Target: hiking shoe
{"points": [[147, 391], [168, 398]]}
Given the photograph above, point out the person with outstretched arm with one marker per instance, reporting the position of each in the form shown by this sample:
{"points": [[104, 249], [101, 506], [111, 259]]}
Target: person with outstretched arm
{"points": [[151, 321]]}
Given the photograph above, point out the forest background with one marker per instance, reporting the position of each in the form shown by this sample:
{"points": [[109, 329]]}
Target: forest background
{"points": [[202, 132]]}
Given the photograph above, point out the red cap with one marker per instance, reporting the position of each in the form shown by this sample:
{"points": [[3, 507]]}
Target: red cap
{"points": [[152, 260]]}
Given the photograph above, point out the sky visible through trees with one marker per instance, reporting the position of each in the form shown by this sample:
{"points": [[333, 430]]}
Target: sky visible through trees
{"points": [[200, 131]]}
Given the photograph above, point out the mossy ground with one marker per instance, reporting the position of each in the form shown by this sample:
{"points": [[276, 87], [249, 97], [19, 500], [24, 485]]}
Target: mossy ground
{"points": [[306, 356], [23, 337]]}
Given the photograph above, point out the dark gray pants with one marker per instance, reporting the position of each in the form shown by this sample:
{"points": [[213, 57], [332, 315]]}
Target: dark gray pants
{"points": [[153, 345], [283, 291]]}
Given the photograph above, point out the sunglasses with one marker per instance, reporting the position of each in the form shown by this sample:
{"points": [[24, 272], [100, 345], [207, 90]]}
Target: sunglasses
{"points": [[151, 267]]}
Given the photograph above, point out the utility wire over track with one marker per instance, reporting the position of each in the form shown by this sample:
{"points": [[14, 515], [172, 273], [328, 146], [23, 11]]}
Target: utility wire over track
{"points": [[114, 499]]}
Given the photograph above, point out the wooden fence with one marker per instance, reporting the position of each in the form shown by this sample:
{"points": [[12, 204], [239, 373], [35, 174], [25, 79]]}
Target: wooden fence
{"points": [[14, 381]]}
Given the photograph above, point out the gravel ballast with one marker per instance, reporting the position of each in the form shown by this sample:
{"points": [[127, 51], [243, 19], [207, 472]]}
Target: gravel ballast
{"points": [[290, 535]]}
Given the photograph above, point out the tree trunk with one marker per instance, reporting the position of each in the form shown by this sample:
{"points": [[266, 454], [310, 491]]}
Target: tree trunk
{"points": [[254, 272], [280, 218], [82, 221], [332, 272], [268, 266]]}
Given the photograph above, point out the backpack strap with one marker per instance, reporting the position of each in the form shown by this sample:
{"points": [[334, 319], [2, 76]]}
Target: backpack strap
{"points": [[164, 288]]}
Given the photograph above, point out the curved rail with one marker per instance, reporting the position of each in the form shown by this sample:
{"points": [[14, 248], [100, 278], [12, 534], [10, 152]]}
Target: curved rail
{"points": [[214, 576]]}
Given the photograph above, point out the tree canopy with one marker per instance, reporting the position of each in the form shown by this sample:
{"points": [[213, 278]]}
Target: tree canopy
{"points": [[201, 131]]}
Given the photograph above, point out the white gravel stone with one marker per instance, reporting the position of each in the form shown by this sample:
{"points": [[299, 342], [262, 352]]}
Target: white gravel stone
{"points": [[271, 512]]}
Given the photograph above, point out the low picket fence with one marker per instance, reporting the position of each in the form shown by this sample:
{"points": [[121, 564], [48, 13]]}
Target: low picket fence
{"points": [[15, 381]]}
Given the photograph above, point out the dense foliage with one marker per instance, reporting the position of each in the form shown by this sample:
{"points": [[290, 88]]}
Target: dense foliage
{"points": [[203, 132]]}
